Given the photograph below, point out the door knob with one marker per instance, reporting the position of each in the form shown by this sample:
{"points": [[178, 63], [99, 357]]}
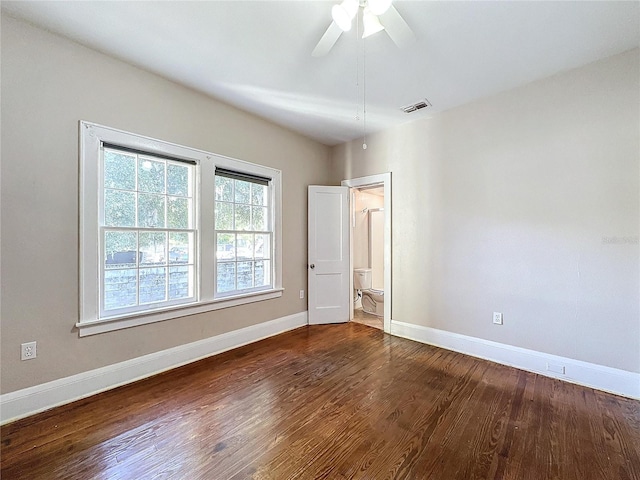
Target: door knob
{"points": [[312, 266]]}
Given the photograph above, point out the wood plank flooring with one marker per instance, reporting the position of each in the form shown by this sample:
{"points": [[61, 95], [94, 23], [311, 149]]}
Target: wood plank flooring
{"points": [[333, 402]]}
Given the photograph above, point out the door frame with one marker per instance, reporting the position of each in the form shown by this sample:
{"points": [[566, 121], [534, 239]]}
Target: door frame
{"points": [[370, 180]]}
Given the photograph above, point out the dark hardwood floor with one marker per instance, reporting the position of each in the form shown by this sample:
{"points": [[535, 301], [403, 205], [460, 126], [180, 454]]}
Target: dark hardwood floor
{"points": [[333, 402]]}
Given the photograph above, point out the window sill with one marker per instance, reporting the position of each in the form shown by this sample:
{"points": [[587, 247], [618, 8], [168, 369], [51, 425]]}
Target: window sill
{"points": [[93, 327]]}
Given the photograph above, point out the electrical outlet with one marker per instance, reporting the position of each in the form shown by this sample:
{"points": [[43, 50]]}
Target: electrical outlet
{"points": [[555, 368], [497, 318], [301, 293], [28, 351]]}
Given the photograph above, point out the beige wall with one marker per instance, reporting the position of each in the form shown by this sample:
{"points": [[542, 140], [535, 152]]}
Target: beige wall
{"points": [[526, 203], [48, 85]]}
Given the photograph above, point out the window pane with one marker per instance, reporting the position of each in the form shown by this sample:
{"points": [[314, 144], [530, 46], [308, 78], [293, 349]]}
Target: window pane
{"points": [[119, 208], [224, 216], [150, 176], [259, 218], [263, 246], [242, 206], [178, 180], [119, 170], [150, 210], [178, 212], [153, 247], [243, 191], [263, 273], [153, 284], [243, 217], [120, 249], [120, 288], [244, 246], [245, 275], [181, 248], [226, 249], [259, 194], [224, 189], [180, 282], [142, 244], [226, 278]]}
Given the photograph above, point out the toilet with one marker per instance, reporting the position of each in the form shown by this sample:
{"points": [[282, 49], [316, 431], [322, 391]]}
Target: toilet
{"points": [[372, 299]]}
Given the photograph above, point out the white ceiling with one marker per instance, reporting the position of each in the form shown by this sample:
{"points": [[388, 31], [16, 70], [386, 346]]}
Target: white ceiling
{"points": [[257, 54]]}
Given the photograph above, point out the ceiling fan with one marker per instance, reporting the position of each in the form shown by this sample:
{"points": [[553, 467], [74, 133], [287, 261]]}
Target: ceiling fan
{"points": [[377, 15]]}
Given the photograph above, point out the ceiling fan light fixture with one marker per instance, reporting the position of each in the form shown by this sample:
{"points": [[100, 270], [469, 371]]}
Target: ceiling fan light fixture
{"points": [[371, 23], [344, 13], [378, 7]]}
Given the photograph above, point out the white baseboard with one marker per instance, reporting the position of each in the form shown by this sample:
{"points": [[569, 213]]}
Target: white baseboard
{"points": [[25, 402], [612, 380]]}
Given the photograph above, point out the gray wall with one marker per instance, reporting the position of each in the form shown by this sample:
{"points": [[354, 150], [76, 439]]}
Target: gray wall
{"points": [[526, 203], [48, 85]]}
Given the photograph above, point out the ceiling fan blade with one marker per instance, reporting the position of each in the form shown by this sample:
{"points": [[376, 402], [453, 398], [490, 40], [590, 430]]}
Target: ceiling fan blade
{"points": [[397, 28], [327, 41]]}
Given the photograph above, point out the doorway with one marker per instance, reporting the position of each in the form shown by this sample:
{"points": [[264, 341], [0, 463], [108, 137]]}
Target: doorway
{"points": [[370, 250]]}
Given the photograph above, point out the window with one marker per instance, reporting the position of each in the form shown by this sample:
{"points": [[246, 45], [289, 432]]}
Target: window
{"points": [[147, 231], [243, 232], [168, 231]]}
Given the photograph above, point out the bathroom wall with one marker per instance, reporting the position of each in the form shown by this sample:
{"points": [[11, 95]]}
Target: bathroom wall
{"points": [[361, 229], [362, 200], [376, 247]]}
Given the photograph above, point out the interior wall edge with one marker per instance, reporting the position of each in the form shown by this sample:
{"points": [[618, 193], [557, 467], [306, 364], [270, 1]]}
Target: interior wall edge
{"points": [[29, 401], [513, 203], [39, 244], [600, 377]]}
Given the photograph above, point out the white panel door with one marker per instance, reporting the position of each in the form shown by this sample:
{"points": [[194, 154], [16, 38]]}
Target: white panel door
{"points": [[328, 254]]}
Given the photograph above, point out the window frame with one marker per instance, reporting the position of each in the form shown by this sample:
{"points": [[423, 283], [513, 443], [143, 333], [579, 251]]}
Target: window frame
{"points": [[268, 231], [92, 136], [142, 229]]}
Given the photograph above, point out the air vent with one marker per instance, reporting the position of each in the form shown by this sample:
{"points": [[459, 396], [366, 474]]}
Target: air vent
{"points": [[416, 106]]}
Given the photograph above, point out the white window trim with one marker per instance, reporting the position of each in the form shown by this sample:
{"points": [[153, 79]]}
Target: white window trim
{"points": [[91, 137], [275, 208], [141, 308]]}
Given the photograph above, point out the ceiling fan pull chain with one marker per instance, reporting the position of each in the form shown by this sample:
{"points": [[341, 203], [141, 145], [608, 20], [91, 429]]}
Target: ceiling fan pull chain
{"points": [[357, 70], [364, 94]]}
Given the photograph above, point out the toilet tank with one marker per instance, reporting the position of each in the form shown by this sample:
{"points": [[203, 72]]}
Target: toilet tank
{"points": [[362, 278]]}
